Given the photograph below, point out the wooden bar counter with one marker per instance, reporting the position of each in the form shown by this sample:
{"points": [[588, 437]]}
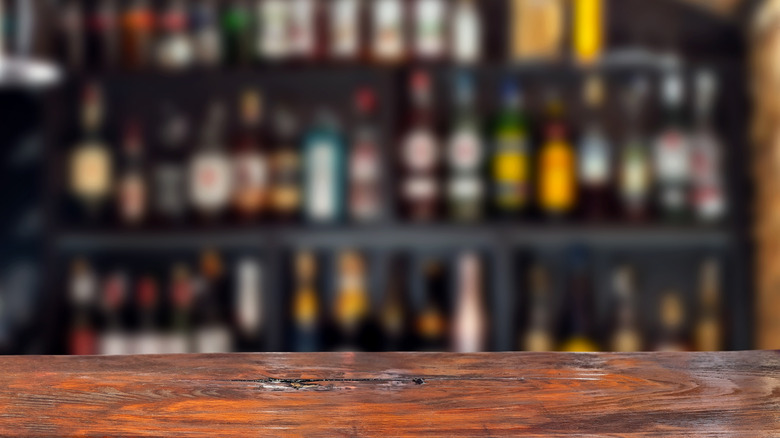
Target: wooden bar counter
{"points": [[393, 394]]}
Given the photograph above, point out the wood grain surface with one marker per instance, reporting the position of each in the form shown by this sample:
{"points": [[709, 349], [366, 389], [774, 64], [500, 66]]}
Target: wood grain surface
{"points": [[394, 394]]}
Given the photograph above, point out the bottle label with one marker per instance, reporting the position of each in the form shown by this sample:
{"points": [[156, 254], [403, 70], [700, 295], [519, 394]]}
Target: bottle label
{"points": [[510, 170], [635, 178], [429, 16], [249, 300], [132, 198], [170, 196], [364, 165], [322, 195], [301, 30], [210, 182], [388, 29], [420, 151], [466, 34], [273, 35], [421, 188], [594, 164], [557, 178], [91, 171], [466, 188], [465, 151], [672, 157], [344, 28], [250, 172]]}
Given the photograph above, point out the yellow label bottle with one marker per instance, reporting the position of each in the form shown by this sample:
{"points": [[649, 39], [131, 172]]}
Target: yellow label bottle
{"points": [[588, 30], [557, 174]]}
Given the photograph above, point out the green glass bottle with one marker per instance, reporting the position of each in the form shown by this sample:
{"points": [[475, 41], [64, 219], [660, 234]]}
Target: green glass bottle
{"points": [[510, 170], [236, 33]]}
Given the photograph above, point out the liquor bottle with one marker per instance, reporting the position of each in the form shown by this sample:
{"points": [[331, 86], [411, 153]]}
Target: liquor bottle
{"points": [[672, 152], [537, 336], [101, 34], [352, 306], [248, 303], [114, 338], [209, 169], [131, 187], [510, 167], [345, 29], [577, 330], [306, 304], [470, 326], [708, 193], [430, 29], [420, 155], [536, 29], [466, 33], [212, 333], [236, 33], [365, 170], [557, 164], [286, 167], [626, 335], [82, 339], [394, 318], [250, 160], [595, 156], [70, 40], [466, 155], [204, 27], [174, 48], [273, 43], [148, 338], [634, 162], [303, 22], [432, 323], [708, 331], [588, 23], [136, 28], [182, 300], [324, 159], [388, 36], [169, 173], [672, 311], [91, 168]]}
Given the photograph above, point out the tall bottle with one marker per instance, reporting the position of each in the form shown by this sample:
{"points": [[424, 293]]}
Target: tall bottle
{"points": [[432, 321], [470, 319], [466, 33], [82, 339], [634, 163], [204, 26], [182, 303], [557, 164], [430, 29], [536, 29], [708, 192], [210, 183], [149, 338], [132, 185], [70, 39], [577, 326], [345, 29], [352, 306], [273, 39], [595, 156], [420, 155], [136, 33], [236, 33], [708, 330], [212, 333], [169, 175], [672, 314], [101, 34], [538, 336], [250, 160], [394, 317], [91, 167], [365, 169], [114, 338], [626, 335], [466, 155], [672, 152], [388, 31], [174, 48], [248, 303], [510, 166], [588, 23], [285, 167], [324, 162], [306, 313]]}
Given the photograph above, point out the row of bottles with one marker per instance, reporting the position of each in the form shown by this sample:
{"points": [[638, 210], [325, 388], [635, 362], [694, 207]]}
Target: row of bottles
{"points": [[478, 167], [431, 304], [471, 170], [177, 34]]}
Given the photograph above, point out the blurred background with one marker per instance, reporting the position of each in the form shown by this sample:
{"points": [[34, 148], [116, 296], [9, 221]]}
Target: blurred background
{"points": [[380, 175]]}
